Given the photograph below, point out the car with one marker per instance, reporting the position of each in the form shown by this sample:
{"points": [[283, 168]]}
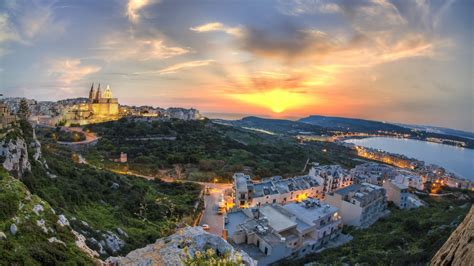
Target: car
{"points": [[205, 227]]}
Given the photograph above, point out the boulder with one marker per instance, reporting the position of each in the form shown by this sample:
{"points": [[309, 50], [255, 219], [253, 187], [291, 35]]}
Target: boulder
{"points": [[113, 242], [177, 248], [38, 208], [62, 220], [13, 229]]}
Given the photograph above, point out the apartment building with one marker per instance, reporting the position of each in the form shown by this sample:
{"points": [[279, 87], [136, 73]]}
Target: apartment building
{"points": [[270, 233], [331, 177], [359, 205], [398, 194], [273, 190], [373, 173]]}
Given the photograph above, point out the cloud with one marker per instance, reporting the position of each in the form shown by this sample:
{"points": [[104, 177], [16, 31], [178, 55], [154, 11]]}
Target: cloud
{"points": [[38, 20], [178, 67], [217, 26], [300, 7], [288, 43], [7, 32], [25, 22], [127, 46], [186, 65], [134, 6], [68, 70]]}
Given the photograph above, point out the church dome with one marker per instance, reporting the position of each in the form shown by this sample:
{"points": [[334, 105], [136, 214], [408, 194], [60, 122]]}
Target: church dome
{"points": [[107, 93]]}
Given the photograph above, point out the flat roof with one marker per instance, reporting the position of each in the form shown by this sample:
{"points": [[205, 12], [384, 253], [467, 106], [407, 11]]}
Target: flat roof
{"points": [[310, 214], [276, 219], [399, 185], [235, 219]]}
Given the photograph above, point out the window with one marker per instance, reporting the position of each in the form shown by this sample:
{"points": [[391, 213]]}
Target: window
{"points": [[274, 200], [266, 250]]}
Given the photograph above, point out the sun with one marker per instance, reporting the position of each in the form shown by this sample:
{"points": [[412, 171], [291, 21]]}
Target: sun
{"points": [[277, 100]]}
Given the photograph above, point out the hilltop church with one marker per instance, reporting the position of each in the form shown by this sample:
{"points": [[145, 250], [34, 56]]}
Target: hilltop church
{"points": [[102, 104], [99, 107]]}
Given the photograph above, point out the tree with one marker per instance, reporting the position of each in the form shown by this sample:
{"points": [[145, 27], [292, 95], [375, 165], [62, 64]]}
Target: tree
{"points": [[24, 110]]}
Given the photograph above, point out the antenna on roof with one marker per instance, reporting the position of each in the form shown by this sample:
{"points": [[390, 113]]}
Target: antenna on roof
{"points": [[305, 165]]}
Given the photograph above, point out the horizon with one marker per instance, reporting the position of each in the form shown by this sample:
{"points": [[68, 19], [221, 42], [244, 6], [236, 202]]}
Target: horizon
{"points": [[238, 116], [403, 61]]}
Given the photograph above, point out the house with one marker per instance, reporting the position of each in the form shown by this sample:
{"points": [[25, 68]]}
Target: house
{"points": [[409, 179], [273, 190], [331, 177], [373, 173], [398, 194], [270, 233], [359, 205]]}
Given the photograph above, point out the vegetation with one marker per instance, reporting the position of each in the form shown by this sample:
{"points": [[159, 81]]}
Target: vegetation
{"points": [[30, 245], [210, 258], [144, 210], [405, 237], [57, 134], [206, 150]]}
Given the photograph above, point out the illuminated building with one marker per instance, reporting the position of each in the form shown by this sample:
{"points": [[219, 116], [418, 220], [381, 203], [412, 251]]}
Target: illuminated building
{"points": [[273, 190], [270, 233], [359, 205]]}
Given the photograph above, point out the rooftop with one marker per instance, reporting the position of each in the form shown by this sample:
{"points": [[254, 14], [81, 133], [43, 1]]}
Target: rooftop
{"points": [[310, 211], [277, 220]]}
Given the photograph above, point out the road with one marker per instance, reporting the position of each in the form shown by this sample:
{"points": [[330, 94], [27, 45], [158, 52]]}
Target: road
{"points": [[210, 216]]}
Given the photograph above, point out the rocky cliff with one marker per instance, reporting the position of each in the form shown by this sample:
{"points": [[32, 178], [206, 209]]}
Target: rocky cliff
{"points": [[459, 248], [14, 154], [183, 114], [187, 244]]}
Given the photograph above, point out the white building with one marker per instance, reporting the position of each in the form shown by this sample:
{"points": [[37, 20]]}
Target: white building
{"points": [[373, 173], [331, 177], [409, 179], [273, 232], [359, 205], [273, 190], [398, 194]]}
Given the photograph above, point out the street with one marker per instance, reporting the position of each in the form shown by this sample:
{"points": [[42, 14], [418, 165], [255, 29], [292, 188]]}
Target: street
{"points": [[210, 216]]}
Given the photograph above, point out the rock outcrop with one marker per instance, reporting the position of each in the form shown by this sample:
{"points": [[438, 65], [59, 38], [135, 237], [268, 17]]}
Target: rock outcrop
{"points": [[459, 248], [183, 114], [177, 248], [14, 153]]}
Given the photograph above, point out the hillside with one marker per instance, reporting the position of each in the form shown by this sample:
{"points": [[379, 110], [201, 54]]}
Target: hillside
{"points": [[115, 213], [30, 231], [351, 124], [277, 126], [206, 150]]}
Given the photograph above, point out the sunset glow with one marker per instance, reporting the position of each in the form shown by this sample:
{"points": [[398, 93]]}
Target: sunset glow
{"points": [[276, 100]]}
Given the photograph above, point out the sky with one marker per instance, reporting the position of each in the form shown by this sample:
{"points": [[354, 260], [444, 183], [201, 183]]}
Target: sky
{"points": [[408, 61]]}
